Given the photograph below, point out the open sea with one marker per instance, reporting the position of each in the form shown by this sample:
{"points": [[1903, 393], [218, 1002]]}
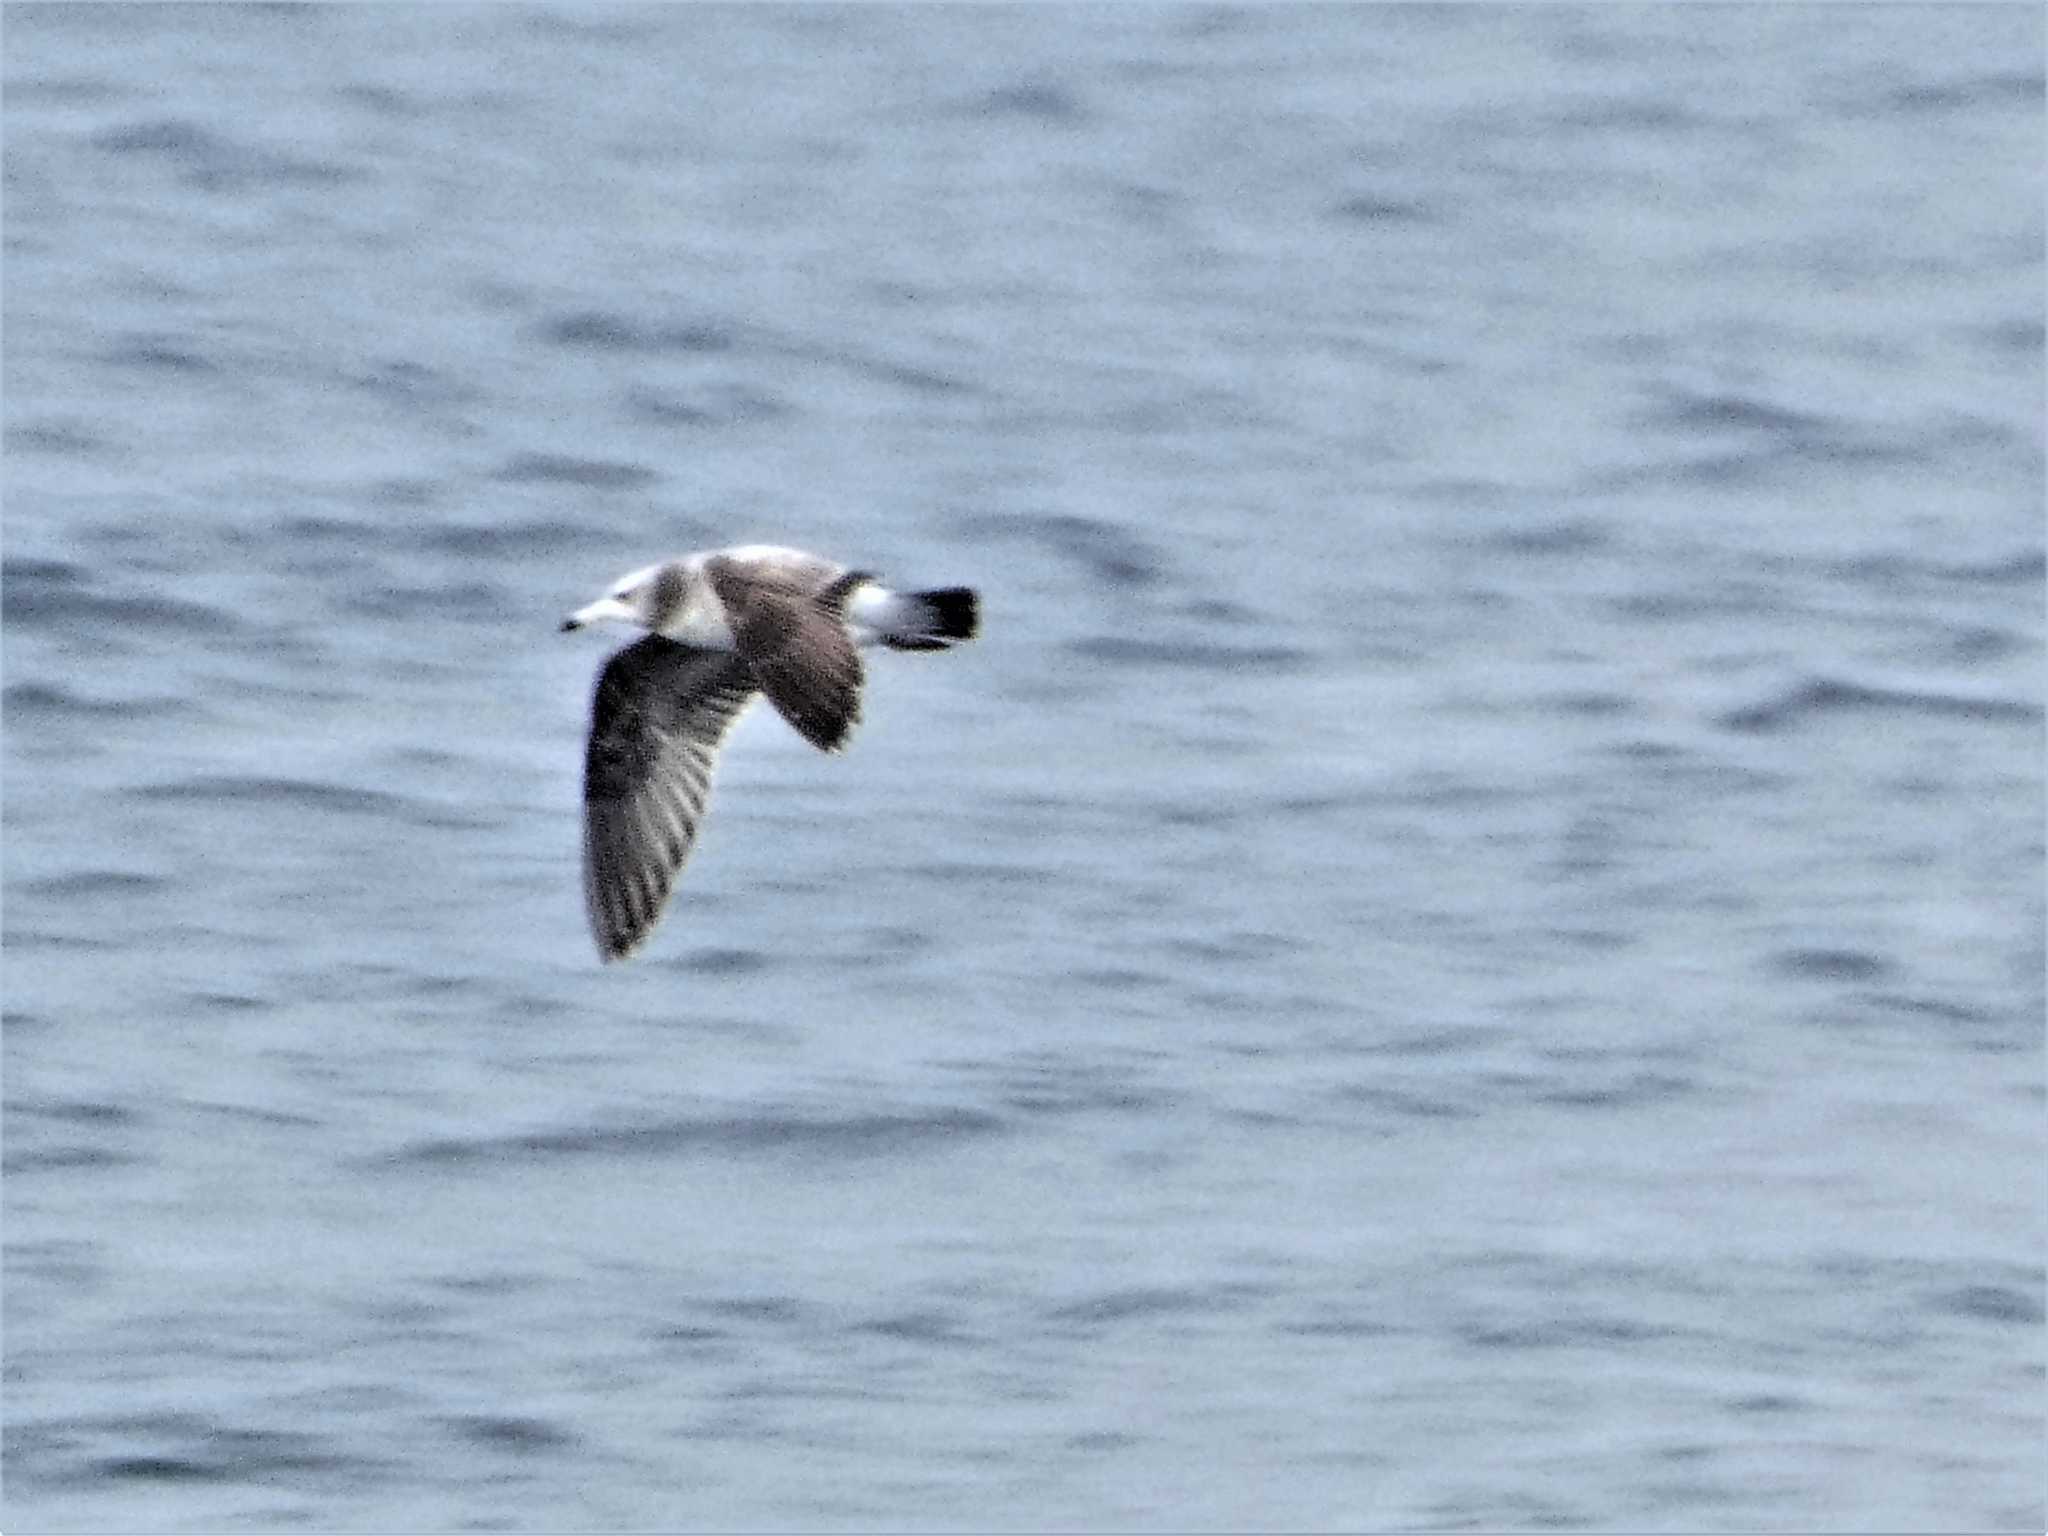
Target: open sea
{"points": [[1465, 951]]}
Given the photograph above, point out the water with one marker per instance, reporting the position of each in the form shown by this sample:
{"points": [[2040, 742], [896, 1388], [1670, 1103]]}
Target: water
{"points": [[1465, 951]]}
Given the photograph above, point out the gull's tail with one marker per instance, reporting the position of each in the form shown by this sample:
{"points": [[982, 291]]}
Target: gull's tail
{"points": [[931, 621]]}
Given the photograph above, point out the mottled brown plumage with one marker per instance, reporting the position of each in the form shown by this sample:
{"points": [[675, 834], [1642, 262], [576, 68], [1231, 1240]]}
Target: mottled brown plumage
{"points": [[797, 648], [725, 624], [660, 715]]}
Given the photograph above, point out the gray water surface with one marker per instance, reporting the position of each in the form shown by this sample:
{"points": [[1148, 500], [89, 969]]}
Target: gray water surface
{"points": [[1465, 951]]}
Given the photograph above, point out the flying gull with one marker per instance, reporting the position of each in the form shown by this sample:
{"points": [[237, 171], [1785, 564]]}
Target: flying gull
{"points": [[723, 625]]}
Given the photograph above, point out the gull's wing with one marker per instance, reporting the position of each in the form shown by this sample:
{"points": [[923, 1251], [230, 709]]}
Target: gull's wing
{"points": [[661, 713], [795, 646]]}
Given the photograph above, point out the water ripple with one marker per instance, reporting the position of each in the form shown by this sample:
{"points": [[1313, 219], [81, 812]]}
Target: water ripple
{"points": [[517, 1436], [1193, 655], [1146, 1302], [1993, 1304], [49, 595], [52, 700], [1037, 100], [171, 1448], [295, 794], [820, 1136], [1113, 556], [211, 161], [610, 331], [562, 469], [1810, 698]]}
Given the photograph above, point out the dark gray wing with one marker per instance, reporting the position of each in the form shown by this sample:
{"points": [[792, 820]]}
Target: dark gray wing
{"points": [[796, 646], [661, 713]]}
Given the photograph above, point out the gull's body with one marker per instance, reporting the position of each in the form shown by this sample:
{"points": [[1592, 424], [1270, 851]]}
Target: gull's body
{"points": [[722, 626]]}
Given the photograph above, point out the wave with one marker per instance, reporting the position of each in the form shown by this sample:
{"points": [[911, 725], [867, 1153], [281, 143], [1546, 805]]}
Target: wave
{"points": [[1813, 697], [866, 1135]]}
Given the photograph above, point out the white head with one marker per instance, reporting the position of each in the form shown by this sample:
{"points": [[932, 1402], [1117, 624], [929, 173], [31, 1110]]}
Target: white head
{"points": [[629, 600]]}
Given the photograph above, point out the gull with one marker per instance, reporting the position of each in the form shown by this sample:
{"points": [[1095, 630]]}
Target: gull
{"points": [[722, 625]]}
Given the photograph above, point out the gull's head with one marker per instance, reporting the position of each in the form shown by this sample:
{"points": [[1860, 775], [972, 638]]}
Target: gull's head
{"points": [[629, 600]]}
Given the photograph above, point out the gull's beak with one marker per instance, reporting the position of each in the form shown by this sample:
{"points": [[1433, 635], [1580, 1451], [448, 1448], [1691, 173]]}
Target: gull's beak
{"points": [[603, 608]]}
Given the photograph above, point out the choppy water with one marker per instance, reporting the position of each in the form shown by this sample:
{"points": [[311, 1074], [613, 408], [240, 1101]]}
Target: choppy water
{"points": [[1466, 951]]}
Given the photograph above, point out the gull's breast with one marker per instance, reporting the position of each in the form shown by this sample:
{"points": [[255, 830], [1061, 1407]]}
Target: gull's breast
{"points": [[703, 624], [693, 614]]}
